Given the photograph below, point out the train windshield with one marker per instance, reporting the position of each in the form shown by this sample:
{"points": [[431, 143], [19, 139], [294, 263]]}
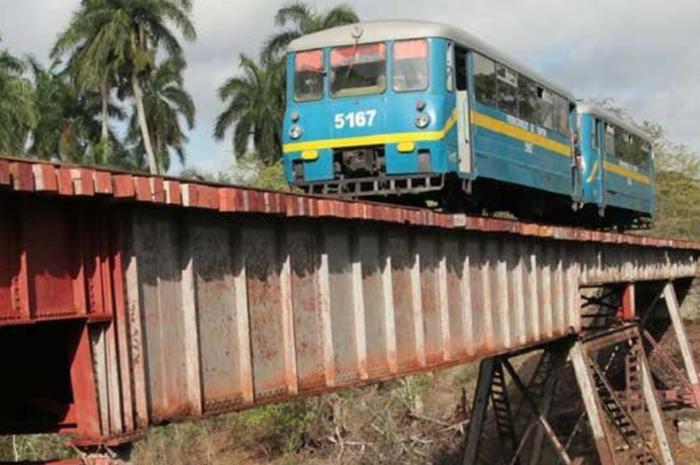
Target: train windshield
{"points": [[358, 70], [308, 76], [410, 65]]}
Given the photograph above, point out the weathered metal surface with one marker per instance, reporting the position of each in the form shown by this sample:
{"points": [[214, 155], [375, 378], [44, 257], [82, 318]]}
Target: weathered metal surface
{"points": [[202, 299]]}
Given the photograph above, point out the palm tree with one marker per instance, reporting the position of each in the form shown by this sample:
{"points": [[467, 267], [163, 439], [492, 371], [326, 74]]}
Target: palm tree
{"points": [[91, 67], [255, 108], [124, 37], [256, 100], [17, 115], [304, 19], [67, 128], [166, 103]]}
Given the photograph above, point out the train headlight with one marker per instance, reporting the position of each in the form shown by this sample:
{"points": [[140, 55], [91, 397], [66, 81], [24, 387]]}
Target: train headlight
{"points": [[296, 131], [422, 120]]}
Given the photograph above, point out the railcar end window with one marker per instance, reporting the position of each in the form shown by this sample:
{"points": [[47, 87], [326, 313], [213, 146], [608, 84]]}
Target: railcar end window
{"points": [[484, 80], [609, 140], [410, 65], [450, 67], [507, 87], [358, 70], [545, 108], [631, 148], [308, 75], [561, 114], [594, 132]]}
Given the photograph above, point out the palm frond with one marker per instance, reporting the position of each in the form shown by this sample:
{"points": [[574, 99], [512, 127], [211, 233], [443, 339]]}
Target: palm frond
{"points": [[297, 12]]}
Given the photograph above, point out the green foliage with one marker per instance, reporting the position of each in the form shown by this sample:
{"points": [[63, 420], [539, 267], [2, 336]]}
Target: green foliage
{"points": [[249, 172], [466, 375], [66, 128], [256, 99], [270, 177], [299, 18], [167, 106], [281, 425], [17, 112], [677, 185], [274, 430], [115, 43], [255, 107], [34, 448]]}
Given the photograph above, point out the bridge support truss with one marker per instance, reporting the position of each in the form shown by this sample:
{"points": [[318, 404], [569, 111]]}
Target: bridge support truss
{"points": [[624, 379]]}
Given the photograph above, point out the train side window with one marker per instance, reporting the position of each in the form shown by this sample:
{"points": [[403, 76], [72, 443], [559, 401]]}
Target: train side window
{"points": [[507, 88], [484, 80], [527, 99], [545, 108], [645, 150], [594, 133], [609, 140]]}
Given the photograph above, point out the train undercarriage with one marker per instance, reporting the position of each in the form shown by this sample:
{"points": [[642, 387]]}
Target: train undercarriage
{"points": [[361, 173]]}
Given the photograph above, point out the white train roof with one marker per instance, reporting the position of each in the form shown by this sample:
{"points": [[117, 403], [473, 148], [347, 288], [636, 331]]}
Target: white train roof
{"points": [[583, 106], [379, 31]]}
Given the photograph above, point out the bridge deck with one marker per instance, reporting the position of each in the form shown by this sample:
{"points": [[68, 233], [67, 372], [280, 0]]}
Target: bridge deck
{"points": [[129, 300]]}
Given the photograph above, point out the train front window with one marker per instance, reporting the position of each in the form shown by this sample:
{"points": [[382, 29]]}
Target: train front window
{"points": [[410, 65], [358, 70], [308, 76]]}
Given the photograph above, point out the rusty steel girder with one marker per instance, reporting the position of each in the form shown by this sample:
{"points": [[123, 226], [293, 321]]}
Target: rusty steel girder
{"points": [[134, 300]]}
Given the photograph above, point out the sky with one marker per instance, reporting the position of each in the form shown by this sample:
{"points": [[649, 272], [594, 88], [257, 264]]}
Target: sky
{"points": [[643, 53]]}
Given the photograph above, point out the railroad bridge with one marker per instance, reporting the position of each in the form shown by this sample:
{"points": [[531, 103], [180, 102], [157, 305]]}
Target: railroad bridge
{"points": [[128, 301]]}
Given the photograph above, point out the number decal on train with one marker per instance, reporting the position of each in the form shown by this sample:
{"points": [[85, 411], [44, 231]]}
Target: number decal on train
{"points": [[355, 119]]}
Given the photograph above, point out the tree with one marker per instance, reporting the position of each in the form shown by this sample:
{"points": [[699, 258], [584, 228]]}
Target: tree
{"points": [[677, 185], [255, 108], [166, 103], [17, 115], [256, 99], [303, 19], [67, 127], [124, 37], [91, 66]]}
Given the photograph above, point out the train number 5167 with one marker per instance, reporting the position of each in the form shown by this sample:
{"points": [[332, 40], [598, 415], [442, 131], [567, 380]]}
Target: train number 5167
{"points": [[355, 119]]}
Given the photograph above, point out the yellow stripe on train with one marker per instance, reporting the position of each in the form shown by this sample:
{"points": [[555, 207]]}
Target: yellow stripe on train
{"points": [[377, 139], [478, 119], [516, 132], [626, 172]]}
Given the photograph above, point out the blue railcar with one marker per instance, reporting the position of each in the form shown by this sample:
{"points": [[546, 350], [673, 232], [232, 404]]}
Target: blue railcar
{"points": [[422, 112], [618, 168]]}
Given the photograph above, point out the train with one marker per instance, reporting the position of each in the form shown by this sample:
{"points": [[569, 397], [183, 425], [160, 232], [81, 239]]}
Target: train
{"points": [[422, 113]]}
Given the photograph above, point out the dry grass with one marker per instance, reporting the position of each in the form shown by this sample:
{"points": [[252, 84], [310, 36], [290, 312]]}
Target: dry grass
{"points": [[415, 421]]}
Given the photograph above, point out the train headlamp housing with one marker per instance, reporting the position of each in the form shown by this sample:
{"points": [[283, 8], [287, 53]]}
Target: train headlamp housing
{"points": [[295, 116], [296, 131], [422, 120]]}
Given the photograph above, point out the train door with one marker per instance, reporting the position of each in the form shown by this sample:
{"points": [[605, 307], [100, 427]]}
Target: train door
{"points": [[594, 156], [606, 146], [463, 108]]}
